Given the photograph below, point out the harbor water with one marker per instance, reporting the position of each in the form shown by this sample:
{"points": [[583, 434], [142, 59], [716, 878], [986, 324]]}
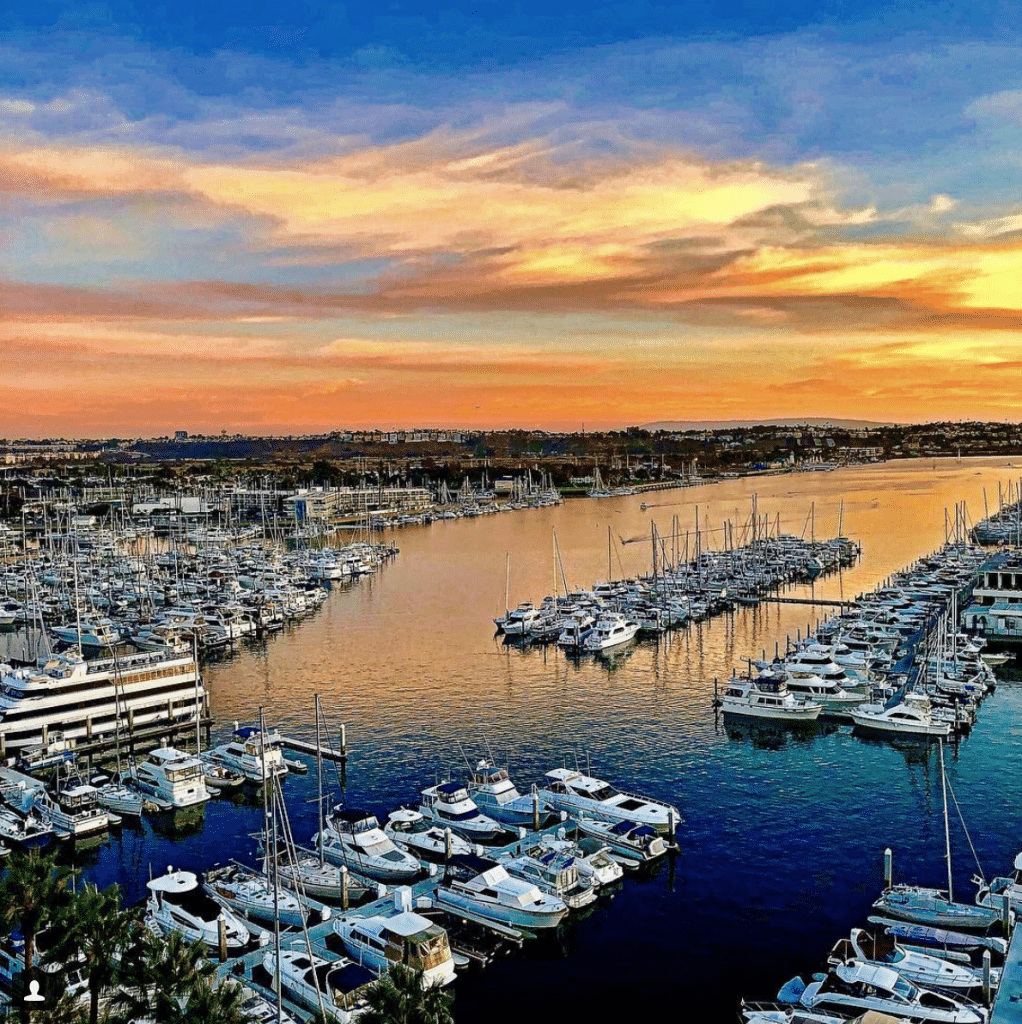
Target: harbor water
{"points": [[781, 848]]}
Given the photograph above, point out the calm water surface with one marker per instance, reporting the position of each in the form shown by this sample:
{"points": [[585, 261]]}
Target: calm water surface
{"points": [[781, 849]]}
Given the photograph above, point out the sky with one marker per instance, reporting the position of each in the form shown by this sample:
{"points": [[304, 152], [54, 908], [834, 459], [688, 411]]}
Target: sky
{"points": [[297, 217]]}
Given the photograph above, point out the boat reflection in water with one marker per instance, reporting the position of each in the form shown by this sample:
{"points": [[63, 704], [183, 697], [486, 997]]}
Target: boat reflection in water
{"points": [[768, 735]]}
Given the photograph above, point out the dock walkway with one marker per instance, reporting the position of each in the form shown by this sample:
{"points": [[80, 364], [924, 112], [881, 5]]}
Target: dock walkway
{"points": [[1007, 1008]]}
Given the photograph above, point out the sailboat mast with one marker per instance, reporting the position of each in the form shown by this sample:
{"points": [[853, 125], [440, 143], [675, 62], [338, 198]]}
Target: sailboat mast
{"points": [[947, 830], [319, 771]]}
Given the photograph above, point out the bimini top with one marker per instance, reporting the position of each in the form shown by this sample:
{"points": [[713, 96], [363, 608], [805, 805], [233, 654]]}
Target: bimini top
{"points": [[866, 974], [174, 882], [246, 732], [352, 814], [624, 828], [450, 788]]}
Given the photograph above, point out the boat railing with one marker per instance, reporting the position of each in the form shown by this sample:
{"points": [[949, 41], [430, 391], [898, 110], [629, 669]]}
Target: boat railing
{"points": [[132, 661]]}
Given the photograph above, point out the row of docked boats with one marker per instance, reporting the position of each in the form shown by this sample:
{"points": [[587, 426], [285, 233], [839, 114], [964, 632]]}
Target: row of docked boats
{"points": [[680, 590], [893, 664]]}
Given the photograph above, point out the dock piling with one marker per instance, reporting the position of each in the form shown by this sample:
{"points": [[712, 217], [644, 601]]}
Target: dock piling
{"points": [[888, 868]]}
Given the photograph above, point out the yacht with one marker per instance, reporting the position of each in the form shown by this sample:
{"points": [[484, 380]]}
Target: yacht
{"points": [[449, 806], [406, 938], [918, 967], [554, 872], [412, 832], [252, 895], [310, 979], [255, 755], [575, 793], [28, 832], [496, 796], [65, 693], [308, 873], [992, 894], [612, 629], [172, 778], [483, 888], [575, 630], [912, 716], [630, 844], [354, 838], [592, 858], [93, 633], [855, 987], [520, 621], [177, 903], [76, 810], [820, 690], [768, 696], [932, 907]]}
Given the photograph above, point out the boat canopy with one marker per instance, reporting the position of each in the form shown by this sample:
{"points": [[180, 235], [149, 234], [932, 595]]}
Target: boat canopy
{"points": [[868, 974]]}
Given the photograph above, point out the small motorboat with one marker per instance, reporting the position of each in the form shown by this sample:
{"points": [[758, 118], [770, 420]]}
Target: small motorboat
{"points": [[354, 838], [448, 805], [992, 895], [555, 872]]}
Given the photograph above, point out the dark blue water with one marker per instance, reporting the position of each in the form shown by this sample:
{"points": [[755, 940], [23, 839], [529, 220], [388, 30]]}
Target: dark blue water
{"points": [[783, 839]]}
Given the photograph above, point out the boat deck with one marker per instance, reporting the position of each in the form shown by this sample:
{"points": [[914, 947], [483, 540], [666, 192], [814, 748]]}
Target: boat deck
{"points": [[1007, 1008]]}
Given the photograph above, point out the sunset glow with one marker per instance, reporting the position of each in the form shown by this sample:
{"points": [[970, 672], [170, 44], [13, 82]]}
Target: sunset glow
{"points": [[627, 231]]}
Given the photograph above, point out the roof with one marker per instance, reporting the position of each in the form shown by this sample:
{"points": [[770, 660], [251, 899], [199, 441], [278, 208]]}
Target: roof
{"points": [[404, 814], [563, 774], [169, 754], [174, 881], [867, 974], [449, 787], [407, 923], [352, 814]]}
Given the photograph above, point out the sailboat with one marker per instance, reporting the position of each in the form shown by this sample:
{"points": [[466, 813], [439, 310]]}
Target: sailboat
{"points": [[935, 907]]}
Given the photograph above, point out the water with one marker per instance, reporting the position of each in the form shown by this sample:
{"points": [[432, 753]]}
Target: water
{"points": [[783, 839]]}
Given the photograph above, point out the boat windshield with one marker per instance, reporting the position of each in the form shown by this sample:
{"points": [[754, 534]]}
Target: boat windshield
{"points": [[603, 792]]}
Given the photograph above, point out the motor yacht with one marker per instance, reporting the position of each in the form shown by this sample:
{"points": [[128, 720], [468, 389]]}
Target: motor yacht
{"points": [[575, 793], [918, 967], [484, 888], [554, 872], [177, 903], [593, 858], [354, 838], [497, 797], [311, 980], [630, 843], [412, 832], [612, 630], [911, 716], [93, 633], [768, 696], [856, 987], [255, 755], [171, 777], [405, 938], [819, 690], [449, 806], [992, 894]]}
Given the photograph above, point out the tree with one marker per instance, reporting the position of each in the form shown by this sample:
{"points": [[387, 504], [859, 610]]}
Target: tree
{"points": [[158, 973], [32, 894], [401, 996], [213, 1003], [95, 932]]}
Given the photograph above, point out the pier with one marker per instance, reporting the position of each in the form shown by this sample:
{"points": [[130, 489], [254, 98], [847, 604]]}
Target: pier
{"points": [[327, 753]]}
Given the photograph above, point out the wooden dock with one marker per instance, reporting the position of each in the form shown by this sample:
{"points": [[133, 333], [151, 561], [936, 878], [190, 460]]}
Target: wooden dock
{"points": [[327, 753], [817, 601]]}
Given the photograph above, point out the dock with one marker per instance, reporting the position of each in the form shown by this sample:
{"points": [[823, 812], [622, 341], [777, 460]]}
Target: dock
{"points": [[327, 753], [819, 602], [1007, 1008]]}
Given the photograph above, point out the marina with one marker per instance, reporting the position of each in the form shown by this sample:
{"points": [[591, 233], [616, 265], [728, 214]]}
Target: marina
{"points": [[773, 822]]}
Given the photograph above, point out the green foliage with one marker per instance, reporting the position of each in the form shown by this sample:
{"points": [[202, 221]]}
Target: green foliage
{"points": [[401, 997]]}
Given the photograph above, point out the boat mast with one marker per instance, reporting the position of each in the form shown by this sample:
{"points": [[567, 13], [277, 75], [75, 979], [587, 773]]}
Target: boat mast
{"points": [[319, 771], [947, 831]]}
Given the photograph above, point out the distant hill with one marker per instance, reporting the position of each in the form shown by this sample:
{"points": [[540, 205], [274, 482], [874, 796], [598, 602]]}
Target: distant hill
{"points": [[792, 421]]}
